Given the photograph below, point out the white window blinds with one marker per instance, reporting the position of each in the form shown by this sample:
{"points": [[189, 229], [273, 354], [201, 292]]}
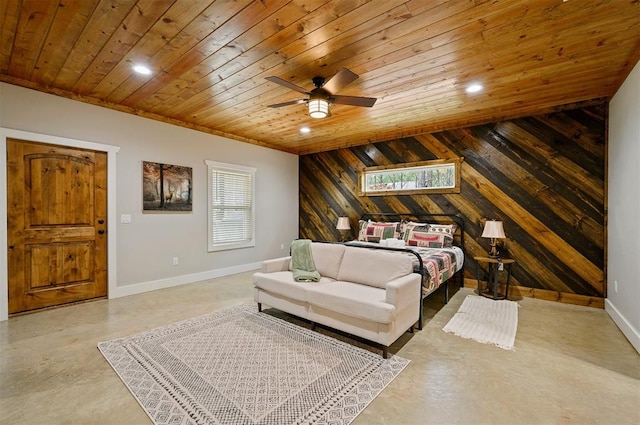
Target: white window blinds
{"points": [[231, 206]]}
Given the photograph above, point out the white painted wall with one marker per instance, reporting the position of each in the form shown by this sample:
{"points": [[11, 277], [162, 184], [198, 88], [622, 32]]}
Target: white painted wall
{"points": [[623, 265], [145, 248]]}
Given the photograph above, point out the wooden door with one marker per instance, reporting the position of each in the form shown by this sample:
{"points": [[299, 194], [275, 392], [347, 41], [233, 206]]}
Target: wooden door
{"points": [[57, 222]]}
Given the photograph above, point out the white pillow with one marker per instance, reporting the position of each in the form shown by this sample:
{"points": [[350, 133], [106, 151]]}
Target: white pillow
{"points": [[394, 243]]}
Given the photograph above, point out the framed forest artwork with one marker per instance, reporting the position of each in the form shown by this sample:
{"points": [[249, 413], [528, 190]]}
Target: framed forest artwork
{"points": [[166, 187]]}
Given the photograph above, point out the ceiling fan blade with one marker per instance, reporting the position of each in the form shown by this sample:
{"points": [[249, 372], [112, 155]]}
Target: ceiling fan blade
{"points": [[287, 84], [340, 80], [291, 102], [354, 100]]}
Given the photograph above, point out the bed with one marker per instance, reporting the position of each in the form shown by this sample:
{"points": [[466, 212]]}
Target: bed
{"points": [[435, 242]]}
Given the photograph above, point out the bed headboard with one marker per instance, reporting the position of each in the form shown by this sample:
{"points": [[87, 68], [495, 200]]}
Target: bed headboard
{"points": [[423, 218]]}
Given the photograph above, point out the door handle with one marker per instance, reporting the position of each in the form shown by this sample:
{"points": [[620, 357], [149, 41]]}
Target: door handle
{"points": [[101, 221], [101, 232]]}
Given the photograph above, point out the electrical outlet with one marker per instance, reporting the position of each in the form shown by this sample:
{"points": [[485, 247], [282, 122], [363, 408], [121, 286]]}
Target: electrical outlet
{"points": [[615, 286], [281, 246], [175, 261], [500, 266]]}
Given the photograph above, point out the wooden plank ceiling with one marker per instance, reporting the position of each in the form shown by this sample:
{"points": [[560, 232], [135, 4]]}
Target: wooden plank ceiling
{"points": [[209, 60]]}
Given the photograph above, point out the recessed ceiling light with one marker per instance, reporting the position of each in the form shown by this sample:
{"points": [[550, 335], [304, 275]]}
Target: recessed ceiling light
{"points": [[142, 69], [305, 130], [474, 88]]}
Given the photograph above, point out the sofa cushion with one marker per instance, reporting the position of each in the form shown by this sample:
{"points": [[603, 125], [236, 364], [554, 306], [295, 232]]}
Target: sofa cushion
{"points": [[327, 258], [282, 283], [373, 267], [352, 299]]}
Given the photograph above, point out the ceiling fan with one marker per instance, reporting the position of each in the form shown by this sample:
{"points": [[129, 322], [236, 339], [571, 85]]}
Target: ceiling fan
{"points": [[324, 94]]}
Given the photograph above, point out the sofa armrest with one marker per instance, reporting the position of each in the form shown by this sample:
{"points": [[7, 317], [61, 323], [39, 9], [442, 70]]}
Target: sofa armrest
{"points": [[276, 265], [404, 291]]}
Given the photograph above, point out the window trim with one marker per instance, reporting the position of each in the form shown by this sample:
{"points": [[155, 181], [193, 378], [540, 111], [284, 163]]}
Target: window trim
{"points": [[222, 166], [426, 190]]}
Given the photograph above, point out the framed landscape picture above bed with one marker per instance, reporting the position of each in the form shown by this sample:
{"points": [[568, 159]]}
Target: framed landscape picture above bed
{"points": [[436, 176]]}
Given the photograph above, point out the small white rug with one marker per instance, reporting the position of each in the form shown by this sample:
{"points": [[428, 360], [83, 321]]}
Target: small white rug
{"points": [[486, 321], [238, 366]]}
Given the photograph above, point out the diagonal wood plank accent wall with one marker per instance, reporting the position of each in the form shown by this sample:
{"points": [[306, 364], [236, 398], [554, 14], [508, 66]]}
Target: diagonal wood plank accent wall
{"points": [[543, 176]]}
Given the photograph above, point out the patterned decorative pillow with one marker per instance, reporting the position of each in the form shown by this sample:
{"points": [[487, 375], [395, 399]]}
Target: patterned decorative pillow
{"points": [[419, 234], [449, 229], [372, 231], [406, 225]]}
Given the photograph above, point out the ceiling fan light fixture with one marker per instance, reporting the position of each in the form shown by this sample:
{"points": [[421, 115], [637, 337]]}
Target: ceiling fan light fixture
{"points": [[318, 108], [324, 95]]}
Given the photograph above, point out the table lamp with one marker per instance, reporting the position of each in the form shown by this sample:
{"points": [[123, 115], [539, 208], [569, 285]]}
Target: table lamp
{"points": [[493, 230], [343, 225]]}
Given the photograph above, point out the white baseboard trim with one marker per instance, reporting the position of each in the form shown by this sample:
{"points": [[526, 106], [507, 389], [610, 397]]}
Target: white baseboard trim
{"points": [[627, 329], [139, 288]]}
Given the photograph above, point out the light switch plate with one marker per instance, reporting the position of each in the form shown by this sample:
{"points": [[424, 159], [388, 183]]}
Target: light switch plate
{"points": [[125, 218]]}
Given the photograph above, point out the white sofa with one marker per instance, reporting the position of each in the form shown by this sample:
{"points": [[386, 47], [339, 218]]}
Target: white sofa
{"points": [[372, 294]]}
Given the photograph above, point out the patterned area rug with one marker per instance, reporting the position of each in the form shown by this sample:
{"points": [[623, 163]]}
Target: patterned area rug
{"points": [[486, 321], [239, 366]]}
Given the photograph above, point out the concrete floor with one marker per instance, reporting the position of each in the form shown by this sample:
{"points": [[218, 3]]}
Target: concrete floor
{"points": [[571, 365]]}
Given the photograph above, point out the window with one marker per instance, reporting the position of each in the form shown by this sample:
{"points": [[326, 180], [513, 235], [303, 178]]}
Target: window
{"points": [[231, 206], [437, 176]]}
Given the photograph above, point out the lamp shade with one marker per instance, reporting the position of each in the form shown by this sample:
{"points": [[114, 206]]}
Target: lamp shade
{"points": [[493, 229], [343, 223], [318, 108]]}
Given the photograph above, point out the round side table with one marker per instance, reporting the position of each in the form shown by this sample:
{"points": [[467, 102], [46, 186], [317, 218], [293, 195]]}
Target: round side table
{"points": [[494, 266]]}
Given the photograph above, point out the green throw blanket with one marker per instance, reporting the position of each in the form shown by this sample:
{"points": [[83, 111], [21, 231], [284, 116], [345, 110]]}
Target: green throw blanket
{"points": [[302, 266]]}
